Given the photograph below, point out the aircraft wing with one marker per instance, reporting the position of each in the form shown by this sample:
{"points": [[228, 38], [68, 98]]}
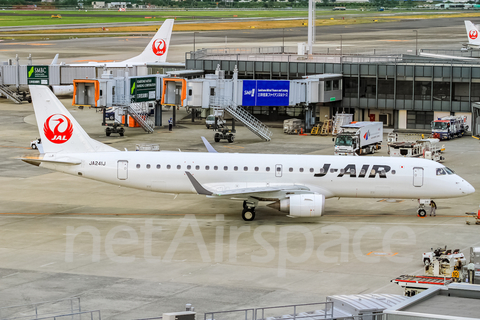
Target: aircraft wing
{"points": [[273, 192]]}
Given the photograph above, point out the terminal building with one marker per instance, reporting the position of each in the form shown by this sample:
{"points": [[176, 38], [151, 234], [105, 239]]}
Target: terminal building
{"points": [[405, 91]]}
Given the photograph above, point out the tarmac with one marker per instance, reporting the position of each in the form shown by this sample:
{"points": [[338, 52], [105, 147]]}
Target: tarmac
{"points": [[135, 254]]}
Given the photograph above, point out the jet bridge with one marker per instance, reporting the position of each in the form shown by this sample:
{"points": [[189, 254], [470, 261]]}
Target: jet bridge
{"points": [[311, 92]]}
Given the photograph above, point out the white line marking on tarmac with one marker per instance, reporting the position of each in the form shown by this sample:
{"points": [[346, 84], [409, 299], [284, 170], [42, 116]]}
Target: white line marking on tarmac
{"points": [[47, 264], [9, 275]]}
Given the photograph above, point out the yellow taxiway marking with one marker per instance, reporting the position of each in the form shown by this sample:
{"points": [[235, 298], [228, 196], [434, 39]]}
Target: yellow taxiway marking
{"points": [[383, 254]]}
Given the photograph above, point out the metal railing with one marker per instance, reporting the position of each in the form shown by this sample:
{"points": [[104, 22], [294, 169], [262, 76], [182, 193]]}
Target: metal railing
{"points": [[41, 309], [85, 315], [10, 94], [248, 314], [326, 313], [240, 114], [140, 112]]}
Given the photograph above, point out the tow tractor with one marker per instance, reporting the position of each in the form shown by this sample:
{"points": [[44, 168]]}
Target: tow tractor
{"points": [[115, 127], [222, 132]]}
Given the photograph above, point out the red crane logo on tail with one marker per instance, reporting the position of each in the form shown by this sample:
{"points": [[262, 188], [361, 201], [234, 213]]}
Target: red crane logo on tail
{"points": [[62, 128], [473, 34], [159, 47]]}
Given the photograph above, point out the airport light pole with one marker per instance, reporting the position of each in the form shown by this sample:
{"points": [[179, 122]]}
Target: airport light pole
{"points": [[283, 41], [194, 43], [416, 41]]}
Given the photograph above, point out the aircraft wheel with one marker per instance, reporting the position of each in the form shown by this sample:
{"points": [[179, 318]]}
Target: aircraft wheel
{"points": [[248, 214], [217, 137], [231, 138], [421, 212]]}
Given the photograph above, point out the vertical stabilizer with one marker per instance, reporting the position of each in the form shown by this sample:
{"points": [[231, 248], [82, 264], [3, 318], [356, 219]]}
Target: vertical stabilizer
{"points": [[472, 33], [60, 132], [157, 48]]}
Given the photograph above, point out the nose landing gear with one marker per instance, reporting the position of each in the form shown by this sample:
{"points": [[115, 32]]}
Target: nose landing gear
{"points": [[421, 212]]}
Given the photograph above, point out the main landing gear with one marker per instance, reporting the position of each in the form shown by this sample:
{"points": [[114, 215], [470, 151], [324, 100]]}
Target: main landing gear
{"points": [[421, 212], [248, 212]]}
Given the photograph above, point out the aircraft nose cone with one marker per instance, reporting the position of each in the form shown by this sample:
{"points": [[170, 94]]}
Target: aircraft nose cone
{"points": [[467, 188]]}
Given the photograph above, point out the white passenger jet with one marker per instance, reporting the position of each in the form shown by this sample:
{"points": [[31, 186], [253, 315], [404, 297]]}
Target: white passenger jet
{"points": [[473, 36], [155, 53], [295, 184]]}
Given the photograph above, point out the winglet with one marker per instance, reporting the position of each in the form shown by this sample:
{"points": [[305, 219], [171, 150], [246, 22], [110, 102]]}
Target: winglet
{"points": [[208, 145], [198, 187]]}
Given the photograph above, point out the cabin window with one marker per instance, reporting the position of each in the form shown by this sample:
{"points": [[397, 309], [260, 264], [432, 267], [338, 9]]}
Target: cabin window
{"points": [[332, 170], [179, 167], [158, 166], [197, 167], [311, 170], [393, 171], [245, 168], [207, 167], [301, 169], [148, 166], [168, 166], [235, 168], [441, 172], [215, 168], [362, 172], [322, 171], [256, 168], [342, 171], [290, 169], [279, 169], [138, 166], [225, 168], [267, 169], [188, 167]]}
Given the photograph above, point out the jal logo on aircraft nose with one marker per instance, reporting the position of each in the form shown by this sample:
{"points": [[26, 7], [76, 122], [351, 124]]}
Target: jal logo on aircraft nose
{"points": [[473, 34], [58, 128], [159, 47]]}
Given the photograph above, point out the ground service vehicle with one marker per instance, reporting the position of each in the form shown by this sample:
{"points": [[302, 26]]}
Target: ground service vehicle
{"points": [[359, 138], [210, 121], [447, 128], [442, 254]]}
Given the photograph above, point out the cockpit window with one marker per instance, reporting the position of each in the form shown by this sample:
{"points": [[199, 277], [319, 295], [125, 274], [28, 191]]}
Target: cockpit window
{"points": [[441, 172], [449, 171]]}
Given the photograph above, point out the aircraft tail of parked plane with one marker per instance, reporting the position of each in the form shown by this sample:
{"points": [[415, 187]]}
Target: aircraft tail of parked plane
{"points": [[155, 52], [473, 35], [157, 48], [59, 131], [295, 184]]}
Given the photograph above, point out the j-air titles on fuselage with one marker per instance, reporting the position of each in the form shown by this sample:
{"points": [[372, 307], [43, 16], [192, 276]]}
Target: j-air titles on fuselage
{"points": [[351, 170]]}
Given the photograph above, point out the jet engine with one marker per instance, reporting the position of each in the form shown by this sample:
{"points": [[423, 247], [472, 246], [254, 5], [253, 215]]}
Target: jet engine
{"points": [[301, 205]]}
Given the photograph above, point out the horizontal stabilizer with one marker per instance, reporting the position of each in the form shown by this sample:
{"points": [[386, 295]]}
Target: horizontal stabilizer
{"points": [[37, 160]]}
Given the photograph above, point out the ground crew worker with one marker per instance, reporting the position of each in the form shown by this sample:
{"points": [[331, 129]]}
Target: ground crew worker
{"points": [[170, 124], [433, 207]]}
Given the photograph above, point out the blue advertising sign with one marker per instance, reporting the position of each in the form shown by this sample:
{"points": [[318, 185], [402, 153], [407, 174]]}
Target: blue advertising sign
{"points": [[263, 93]]}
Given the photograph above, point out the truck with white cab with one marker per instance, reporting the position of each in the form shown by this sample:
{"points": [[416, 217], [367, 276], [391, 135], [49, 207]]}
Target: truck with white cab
{"points": [[359, 138]]}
